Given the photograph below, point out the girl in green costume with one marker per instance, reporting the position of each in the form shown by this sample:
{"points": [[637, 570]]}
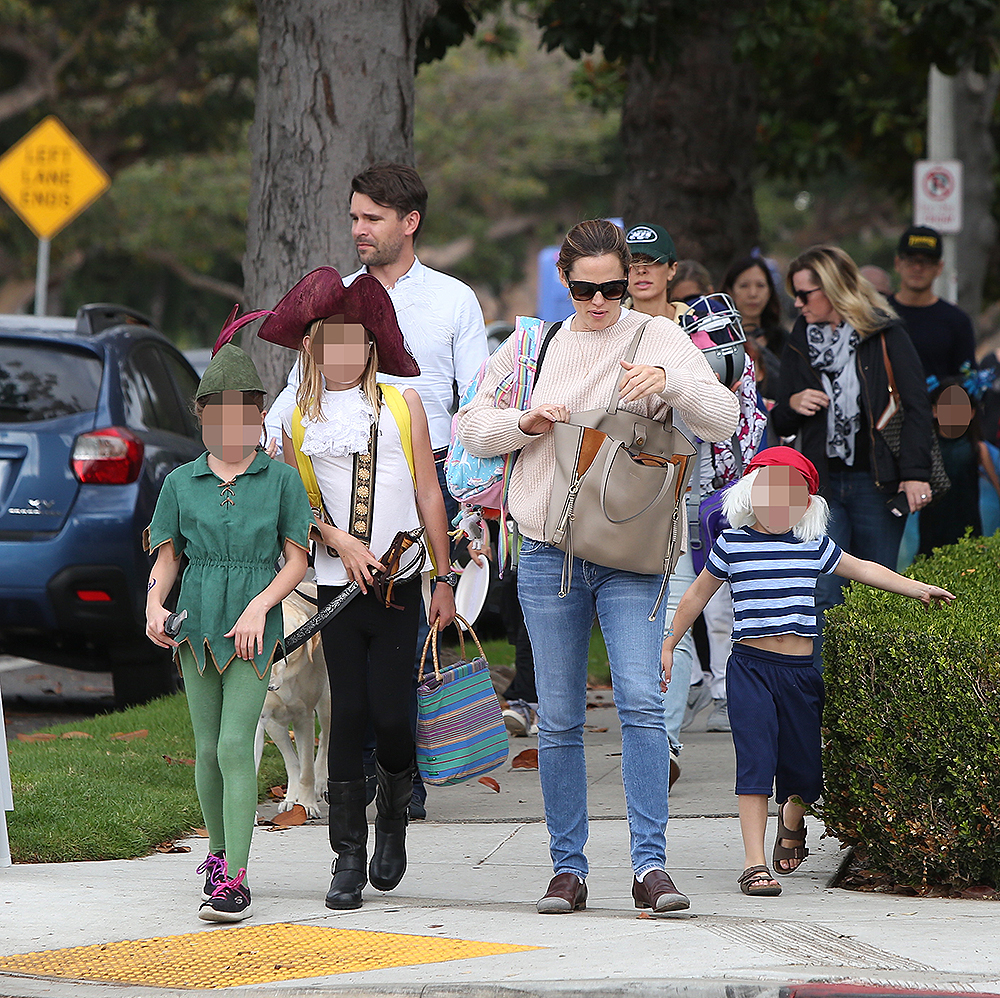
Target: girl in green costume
{"points": [[232, 512]]}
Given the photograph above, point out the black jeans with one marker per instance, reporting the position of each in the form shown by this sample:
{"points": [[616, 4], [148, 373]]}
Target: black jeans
{"points": [[369, 658]]}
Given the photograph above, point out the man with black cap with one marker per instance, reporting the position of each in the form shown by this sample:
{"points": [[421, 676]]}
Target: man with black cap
{"points": [[941, 332]]}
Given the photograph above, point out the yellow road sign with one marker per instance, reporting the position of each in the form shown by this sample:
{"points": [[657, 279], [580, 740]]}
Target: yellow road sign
{"points": [[48, 178]]}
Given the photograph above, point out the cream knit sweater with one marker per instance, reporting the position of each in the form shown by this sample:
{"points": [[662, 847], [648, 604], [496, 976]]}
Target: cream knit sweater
{"points": [[579, 371]]}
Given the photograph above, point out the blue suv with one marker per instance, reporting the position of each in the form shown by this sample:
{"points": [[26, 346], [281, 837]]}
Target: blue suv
{"points": [[94, 413]]}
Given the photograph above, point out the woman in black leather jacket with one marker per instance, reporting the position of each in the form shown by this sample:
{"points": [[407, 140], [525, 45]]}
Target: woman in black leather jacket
{"points": [[833, 389]]}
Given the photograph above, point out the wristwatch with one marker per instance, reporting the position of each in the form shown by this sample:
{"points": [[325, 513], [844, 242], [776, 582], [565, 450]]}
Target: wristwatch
{"points": [[450, 579]]}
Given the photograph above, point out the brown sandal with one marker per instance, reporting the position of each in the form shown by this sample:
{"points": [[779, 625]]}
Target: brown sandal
{"points": [[781, 852], [752, 877]]}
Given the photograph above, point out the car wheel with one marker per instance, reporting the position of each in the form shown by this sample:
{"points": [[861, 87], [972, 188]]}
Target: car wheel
{"points": [[141, 673]]}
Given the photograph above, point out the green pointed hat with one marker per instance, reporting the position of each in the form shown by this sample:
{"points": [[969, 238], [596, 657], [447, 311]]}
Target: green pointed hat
{"points": [[230, 368]]}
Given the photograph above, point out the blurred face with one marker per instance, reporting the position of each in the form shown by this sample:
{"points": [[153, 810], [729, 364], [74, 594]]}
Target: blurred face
{"points": [[917, 271], [379, 234], [750, 294], [779, 497], [810, 300], [648, 281], [599, 312], [953, 412], [340, 350], [229, 428]]}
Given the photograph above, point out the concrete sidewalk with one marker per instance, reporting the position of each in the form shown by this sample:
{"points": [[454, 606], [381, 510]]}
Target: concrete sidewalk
{"points": [[476, 867]]}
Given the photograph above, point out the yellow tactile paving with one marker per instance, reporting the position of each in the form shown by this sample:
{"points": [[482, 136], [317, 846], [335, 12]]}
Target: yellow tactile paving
{"points": [[247, 954]]}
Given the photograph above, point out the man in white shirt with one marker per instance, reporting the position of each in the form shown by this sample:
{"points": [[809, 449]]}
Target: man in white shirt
{"points": [[440, 317]]}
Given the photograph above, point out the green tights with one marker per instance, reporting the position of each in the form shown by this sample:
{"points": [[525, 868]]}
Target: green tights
{"points": [[225, 709]]}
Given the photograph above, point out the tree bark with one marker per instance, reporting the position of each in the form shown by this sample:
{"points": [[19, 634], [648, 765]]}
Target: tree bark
{"points": [[335, 94], [974, 99], [688, 134]]}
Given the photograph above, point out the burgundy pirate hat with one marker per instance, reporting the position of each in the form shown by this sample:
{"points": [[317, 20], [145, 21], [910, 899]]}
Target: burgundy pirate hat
{"points": [[321, 293]]}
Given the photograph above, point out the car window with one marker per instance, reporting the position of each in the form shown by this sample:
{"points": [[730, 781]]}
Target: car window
{"points": [[187, 384], [39, 381], [150, 401]]}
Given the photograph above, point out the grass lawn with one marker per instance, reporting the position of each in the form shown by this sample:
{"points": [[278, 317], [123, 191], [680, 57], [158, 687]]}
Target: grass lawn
{"points": [[104, 798]]}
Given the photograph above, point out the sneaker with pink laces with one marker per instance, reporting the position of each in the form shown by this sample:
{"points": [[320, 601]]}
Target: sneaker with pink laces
{"points": [[230, 901], [214, 869]]}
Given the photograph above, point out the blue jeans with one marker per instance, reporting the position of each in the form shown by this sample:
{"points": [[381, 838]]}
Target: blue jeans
{"points": [[676, 698], [560, 638], [861, 523]]}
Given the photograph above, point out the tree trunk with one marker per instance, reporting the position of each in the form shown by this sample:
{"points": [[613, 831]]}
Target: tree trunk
{"points": [[688, 134], [974, 99], [334, 95]]}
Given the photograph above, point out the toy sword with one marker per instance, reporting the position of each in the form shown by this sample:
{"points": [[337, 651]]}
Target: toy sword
{"points": [[382, 583]]}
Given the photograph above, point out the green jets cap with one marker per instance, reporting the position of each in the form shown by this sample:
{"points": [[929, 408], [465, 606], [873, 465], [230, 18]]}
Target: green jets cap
{"points": [[653, 240]]}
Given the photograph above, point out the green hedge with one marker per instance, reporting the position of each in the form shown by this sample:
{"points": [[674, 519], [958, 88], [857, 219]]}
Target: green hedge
{"points": [[911, 729]]}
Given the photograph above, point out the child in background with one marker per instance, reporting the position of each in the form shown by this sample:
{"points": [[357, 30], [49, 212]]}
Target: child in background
{"points": [[232, 512], [772, 557]]}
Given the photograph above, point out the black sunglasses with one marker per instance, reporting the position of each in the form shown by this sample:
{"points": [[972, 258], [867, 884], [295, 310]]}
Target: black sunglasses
{"points": [[803, 296], [611, 290]]}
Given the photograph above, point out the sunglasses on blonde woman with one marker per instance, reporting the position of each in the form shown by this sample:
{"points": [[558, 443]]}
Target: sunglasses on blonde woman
{"points": [[611, 290]]}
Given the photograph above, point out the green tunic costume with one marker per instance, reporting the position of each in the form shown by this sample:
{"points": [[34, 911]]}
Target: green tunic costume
{"points": [[232, 534]]}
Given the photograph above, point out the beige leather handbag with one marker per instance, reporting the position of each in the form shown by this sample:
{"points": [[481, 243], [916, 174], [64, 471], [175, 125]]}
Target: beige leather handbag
{"points": [[618, 487]]}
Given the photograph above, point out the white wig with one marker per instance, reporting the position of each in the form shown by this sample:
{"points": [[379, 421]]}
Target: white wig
{"points": [[739, 512]]}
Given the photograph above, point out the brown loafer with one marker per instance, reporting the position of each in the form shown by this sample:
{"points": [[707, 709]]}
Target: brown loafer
{"points": [[657, 891], [566, 893]]}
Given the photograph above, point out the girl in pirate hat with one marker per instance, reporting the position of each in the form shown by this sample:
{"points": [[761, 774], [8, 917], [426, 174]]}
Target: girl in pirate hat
{"points": [[231, 512], [365, 452]]}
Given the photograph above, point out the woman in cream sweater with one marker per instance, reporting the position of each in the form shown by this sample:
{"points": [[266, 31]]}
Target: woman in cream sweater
{"points": [[581, 366]]}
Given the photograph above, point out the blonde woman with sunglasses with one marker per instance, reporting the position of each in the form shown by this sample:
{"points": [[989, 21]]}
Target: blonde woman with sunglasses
{"points": [[833, 389]]}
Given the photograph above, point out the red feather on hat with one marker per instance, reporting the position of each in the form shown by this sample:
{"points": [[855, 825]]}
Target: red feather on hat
{"points": [[233, 325]]}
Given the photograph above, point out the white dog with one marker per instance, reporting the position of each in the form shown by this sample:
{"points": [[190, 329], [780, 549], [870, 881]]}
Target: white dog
{"points": [[298, 690]]}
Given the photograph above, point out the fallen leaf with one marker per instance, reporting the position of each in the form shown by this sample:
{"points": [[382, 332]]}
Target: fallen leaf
{"points": [[644, 914], [178, 762], [435, 926], [41, 736], [488, 781], [285, 819], [172, 847], [55, 689], [129, 736], [201, 833], [980, 892], [528, 759], [590, 727], [277, 793], [76, 734]]}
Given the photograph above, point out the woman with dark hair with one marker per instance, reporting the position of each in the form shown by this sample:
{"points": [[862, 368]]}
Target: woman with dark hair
{"points": [[749, 283], [583, 364], [834, 388]]}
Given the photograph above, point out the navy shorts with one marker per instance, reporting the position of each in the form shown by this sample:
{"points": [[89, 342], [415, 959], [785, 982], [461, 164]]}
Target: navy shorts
{"points": [[775, 709]]}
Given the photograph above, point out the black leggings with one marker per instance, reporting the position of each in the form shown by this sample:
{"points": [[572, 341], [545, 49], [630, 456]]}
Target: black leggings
{"points": [[369, 658]]}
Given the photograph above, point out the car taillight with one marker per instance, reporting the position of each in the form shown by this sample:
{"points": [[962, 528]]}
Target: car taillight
{"points": [[93, 596], [112, 456]]}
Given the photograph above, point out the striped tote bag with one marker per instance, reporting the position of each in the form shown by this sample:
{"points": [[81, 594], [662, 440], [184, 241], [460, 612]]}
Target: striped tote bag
{"points": [[460, 729]]}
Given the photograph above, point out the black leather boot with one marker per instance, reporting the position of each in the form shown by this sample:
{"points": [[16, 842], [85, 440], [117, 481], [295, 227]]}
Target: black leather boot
{"points": [[389, 859], [349, 840]]}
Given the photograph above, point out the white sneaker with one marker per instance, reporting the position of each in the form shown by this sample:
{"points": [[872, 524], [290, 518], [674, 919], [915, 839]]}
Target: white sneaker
{"points": [[675, 767], [718, 720], [519, 719], [699, 697]]}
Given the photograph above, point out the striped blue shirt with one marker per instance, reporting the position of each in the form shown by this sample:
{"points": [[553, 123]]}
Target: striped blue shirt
{"points": [[773, 580]]}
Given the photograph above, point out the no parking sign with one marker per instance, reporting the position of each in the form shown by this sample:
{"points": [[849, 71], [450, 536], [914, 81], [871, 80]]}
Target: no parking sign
{"points": [[937, 194]]}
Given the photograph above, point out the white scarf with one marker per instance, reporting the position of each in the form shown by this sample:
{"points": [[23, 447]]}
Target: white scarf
{"points": [[832, 354], [345, 427]]}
